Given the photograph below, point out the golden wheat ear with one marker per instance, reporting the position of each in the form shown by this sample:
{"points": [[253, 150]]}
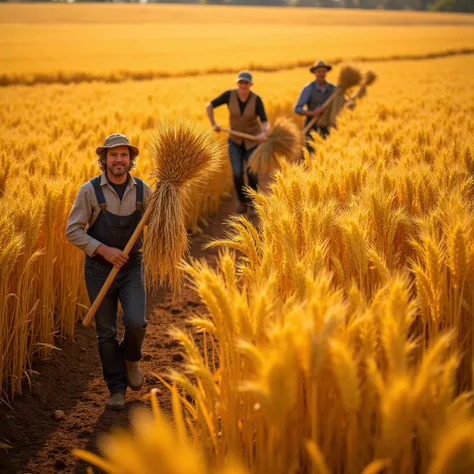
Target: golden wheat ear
{"points": [[349, 76], [370, 77], [181, 156]]}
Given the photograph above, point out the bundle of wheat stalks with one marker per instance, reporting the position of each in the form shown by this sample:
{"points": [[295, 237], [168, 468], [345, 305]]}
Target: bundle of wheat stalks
{"points": [[369, 78], [283, 142], [181, 156], [349, 77]]}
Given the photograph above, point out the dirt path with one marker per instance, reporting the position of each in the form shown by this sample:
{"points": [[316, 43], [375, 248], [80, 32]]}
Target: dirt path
{"points": [[71, 381]]}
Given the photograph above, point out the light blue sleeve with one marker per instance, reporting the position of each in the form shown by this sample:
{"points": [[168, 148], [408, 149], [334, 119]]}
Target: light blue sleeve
{"points": [[303, 99]]}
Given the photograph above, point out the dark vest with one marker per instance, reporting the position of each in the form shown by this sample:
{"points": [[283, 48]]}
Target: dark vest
{"points": [[318, 98], [246, 122], [115, 231]]}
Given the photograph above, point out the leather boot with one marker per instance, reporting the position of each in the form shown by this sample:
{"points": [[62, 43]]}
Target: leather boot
{"points": [[116, 401], [134, 375], [241, 208]]}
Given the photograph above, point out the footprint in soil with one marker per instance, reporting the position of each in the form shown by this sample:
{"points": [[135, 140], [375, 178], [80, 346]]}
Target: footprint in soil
{"points": [[60, 464], [171, 344], [84, 434], [193, 304], [151, 380]]}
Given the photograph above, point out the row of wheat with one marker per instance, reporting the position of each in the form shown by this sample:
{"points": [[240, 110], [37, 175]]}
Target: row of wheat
{"points": [[47, 152], [47, 139], [41, 284], [340, 340]]}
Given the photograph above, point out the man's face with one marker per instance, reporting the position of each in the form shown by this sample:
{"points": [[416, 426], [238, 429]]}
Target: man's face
{"points": [[244, 86], [118, 160], [320, 73]]}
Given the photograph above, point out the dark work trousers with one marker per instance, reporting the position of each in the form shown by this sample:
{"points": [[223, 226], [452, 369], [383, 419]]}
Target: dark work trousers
{"points": [[115, 231], [239, 157], [128, 287], [323, 133]]}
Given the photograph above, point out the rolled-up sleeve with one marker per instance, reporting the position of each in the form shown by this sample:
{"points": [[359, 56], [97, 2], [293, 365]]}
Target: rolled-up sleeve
{"points": [[303, 99], [79, 217]]}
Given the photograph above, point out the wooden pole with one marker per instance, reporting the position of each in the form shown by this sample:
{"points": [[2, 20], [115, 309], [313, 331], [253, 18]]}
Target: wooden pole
{"points": [[113, 273], [240, 134], [310, 124]]}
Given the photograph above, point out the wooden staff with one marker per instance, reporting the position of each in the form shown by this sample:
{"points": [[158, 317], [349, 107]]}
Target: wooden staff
{"points": [[310, 124], [240, 134], [113, 273]]}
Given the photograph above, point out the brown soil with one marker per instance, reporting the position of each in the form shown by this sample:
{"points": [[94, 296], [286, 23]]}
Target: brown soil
{"points": [[71, 381]]}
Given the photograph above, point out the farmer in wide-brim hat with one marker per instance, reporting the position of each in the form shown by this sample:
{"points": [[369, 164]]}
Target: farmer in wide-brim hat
{"points": [[313, 96], [247, 115], [105, 213]]}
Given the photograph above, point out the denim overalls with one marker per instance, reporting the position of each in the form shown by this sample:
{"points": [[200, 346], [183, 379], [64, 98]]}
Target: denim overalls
{"points": [[128, 287]]}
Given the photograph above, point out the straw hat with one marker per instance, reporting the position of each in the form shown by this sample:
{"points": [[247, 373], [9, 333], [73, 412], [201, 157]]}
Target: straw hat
{"points": [[320, 64], [117, 139]]}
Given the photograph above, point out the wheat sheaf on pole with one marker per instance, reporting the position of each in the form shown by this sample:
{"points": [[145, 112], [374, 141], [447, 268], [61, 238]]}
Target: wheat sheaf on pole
{"points": [[181, 156]]}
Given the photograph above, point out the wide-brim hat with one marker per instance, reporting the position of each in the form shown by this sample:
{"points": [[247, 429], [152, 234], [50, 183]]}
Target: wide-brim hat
{"points": [[320, 64], [117, 139], [244, 76]]}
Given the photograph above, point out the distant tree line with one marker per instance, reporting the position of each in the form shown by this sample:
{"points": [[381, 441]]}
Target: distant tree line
{"points": [[434, 5]]}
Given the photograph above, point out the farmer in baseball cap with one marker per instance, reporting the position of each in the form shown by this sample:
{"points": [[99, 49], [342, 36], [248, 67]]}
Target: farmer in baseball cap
{"points": [[247, 115]]}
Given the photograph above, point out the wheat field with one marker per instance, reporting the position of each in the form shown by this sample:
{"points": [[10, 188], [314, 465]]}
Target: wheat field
{"points": [[339, 337], [342, 337], [117, 42]]}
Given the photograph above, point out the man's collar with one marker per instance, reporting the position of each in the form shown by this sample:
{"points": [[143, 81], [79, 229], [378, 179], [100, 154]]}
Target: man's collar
{"points": [[104, 180], [319, 86]]}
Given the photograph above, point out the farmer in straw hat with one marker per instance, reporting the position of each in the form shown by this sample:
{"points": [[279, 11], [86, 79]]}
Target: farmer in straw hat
{"points": [[246, 108], [313, 96], [105, 213]]}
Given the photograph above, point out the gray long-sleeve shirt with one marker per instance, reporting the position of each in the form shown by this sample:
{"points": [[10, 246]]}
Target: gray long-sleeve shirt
{"points": [[313, 95], [86, 209]]}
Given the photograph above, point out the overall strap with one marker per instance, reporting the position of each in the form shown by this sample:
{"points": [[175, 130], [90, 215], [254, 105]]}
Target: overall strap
{"points": [[139, 194], [98, 192]]}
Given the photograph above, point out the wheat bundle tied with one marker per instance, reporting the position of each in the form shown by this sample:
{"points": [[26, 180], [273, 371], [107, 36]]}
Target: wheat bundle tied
{"points": [[181, 155], [283, 141], [349, 76]]}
